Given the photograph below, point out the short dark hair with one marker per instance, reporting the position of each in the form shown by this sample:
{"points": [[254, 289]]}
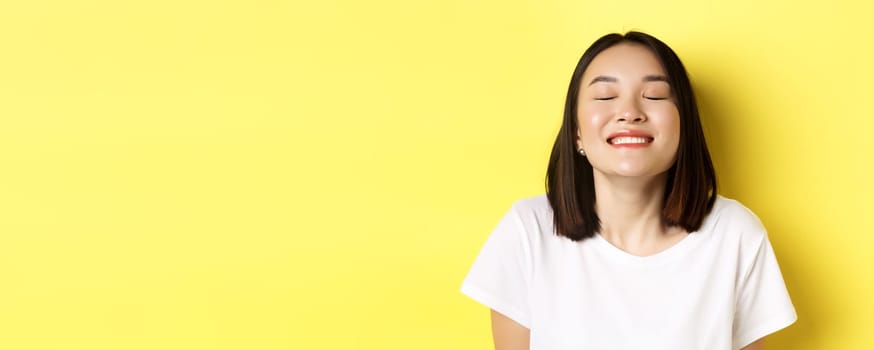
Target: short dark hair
{"points": [[691, 182]]}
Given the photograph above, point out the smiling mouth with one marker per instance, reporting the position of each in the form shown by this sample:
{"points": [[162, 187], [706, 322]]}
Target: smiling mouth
{"points": [[629, 140]]}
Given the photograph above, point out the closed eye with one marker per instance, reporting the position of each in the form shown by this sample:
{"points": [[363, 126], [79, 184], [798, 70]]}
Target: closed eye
{"points": [[604, 98], [655, 98]]}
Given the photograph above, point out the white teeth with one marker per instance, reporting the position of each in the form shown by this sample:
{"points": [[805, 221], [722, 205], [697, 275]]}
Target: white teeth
{"points": [[626, 140]]}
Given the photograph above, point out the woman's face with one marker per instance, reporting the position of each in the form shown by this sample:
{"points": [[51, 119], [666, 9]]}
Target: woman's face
{"points": [[628, 121]]}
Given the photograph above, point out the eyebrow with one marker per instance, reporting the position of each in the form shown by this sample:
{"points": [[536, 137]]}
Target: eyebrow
{"points": [[648, 78]]}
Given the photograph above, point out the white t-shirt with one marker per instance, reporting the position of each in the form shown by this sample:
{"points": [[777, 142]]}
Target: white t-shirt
{"points": [[718, 288]]}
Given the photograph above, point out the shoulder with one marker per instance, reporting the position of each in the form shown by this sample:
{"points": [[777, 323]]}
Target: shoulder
{"points": [[733, 212], [536, 204], [731, 219], [533, 211], [533, 215]]}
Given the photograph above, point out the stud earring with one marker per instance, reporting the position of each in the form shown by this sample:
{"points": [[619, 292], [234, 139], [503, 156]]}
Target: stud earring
{"points": [[582, 152]]}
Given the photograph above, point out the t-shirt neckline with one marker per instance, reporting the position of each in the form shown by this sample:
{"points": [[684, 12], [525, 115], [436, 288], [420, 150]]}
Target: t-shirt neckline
{"points": [[676, 250]]}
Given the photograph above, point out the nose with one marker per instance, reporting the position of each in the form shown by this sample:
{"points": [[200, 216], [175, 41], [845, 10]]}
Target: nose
{"points": [[639, 118], [629, 112]]}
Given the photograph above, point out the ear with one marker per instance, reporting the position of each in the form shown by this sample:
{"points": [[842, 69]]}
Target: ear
{"points": [[579, 139]]}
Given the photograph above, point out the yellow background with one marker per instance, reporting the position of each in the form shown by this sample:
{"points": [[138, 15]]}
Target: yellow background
{"points": [[320, 175]]}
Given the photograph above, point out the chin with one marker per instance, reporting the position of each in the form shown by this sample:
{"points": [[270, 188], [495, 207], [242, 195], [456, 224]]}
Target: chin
{"points": [[642, 172], [637, 174]]}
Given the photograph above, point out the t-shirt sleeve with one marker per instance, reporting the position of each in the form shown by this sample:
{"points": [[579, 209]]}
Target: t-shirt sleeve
{"points": [[763, 304], [501, 274]]}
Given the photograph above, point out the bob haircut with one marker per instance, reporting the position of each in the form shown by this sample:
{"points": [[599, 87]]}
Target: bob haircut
{"points": [[691, 182]]}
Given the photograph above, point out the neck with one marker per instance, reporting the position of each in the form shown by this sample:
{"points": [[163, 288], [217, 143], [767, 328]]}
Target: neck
{"points": [[630, 209]]}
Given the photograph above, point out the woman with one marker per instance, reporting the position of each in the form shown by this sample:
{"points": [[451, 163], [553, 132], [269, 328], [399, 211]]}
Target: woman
{"points": [[630, 247]]}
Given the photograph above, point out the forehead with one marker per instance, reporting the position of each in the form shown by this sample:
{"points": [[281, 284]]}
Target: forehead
{"points": [[624, 61]]}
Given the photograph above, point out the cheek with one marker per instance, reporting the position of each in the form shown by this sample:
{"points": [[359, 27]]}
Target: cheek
{"points": [[670, 126], [591, 118], [666, 117]]}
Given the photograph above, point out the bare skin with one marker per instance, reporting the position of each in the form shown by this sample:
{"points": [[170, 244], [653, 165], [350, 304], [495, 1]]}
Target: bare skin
{"points": [[508, 334], [630, 213]]}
